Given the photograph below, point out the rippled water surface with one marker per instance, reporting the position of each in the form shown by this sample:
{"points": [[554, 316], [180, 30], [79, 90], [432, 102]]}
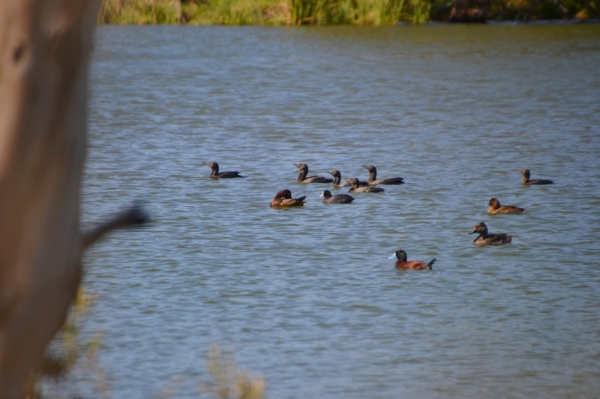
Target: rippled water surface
{"points": [[307, 297]]}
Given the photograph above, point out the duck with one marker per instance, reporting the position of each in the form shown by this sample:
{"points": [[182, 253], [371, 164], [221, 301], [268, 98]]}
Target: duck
{"points": [[357, 188], [223, 175], [336, 199], [497, 208], [312, 179], [283, 198], [404, 264], [373, 180], [488, 239], [527, 182], [337, 179]]}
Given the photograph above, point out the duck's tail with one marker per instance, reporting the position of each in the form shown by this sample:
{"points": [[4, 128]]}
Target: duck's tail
{"points": [[431, 264]]}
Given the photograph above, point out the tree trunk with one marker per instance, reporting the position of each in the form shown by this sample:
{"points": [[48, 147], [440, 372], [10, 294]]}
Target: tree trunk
{"points": [[44, 49]]}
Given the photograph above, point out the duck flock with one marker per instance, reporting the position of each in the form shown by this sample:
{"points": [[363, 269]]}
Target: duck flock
{"points": [[283, 199]]}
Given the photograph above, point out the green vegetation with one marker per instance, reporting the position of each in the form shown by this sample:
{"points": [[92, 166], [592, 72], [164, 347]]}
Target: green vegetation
{"points": [[348, 12]]}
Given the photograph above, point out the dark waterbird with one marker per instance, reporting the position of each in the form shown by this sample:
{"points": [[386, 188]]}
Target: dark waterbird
{"points": [[302, 178], [373, 180], [337, 179], [223, 175], [497, 208], [336, 199], [526, 181], [404, 264], [486, 238], [283, 198], [357, 188]]}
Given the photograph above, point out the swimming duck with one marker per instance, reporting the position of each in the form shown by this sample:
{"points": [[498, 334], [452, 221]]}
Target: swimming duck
{"points": [[284, 198], [336, 199], [488, 239], [356, 188], [497, 208], [312, 179], [373, 180], [404, 264], [223, 175], [526, 174], [337, 179]]}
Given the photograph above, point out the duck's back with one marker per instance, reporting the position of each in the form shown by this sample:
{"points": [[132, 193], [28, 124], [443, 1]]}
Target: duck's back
{"points": [[317, 179], [507, 209], [539, 182], [366, 189], [493, 239], [293, 201], [415, 265], [228, 175], [389, 180]]}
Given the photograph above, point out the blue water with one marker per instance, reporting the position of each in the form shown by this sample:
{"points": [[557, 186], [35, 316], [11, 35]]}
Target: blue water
{"points": [[307, 298]]}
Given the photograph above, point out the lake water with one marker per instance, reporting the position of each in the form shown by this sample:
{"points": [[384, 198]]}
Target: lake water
{"points": [[307, 298]]}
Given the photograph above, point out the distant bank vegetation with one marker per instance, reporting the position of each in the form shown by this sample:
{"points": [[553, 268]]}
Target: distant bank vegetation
{"points": [[348, 12]]}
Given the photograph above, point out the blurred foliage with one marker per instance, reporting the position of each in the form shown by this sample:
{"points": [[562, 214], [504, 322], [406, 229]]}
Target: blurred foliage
{"points": [[228, 381], [349, 12], [70, 353], [65, 354]]}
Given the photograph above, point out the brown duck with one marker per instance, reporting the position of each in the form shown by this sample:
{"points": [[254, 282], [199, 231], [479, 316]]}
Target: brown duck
{"points": [[497, 208], [404, 264], [283, 198], [485, 238]]}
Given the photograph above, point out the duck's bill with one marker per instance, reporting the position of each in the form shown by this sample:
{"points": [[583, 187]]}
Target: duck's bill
{"points": [[392, 256]]}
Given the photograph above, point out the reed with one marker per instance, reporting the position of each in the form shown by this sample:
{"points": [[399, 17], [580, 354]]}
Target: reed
{"points": [[140, 12], [251, 12], [421, 10], [326, 12], [228, 381]]}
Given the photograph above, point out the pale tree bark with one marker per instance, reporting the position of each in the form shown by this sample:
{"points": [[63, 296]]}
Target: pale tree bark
{"points": [[44, 51]]}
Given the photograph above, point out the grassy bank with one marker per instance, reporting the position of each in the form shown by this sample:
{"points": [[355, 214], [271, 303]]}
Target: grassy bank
{"points": [[348, 12]]}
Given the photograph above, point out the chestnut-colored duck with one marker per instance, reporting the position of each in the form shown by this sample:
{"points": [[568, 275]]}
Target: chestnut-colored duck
{"points": [[528, 182], [302, 178], [497, 208], [485, 238], [357, 188], [404, 264], [336, 199], [337, 179], [373, 180], [283, 198], [223, 175]]}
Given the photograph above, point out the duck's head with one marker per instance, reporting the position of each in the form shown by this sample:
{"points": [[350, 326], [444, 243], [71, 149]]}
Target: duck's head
{"points": [[525, 172], [284, 194], [494, 203], [400, 255], [479, 228], [370, 168], [301, 166], [353, 181]]}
